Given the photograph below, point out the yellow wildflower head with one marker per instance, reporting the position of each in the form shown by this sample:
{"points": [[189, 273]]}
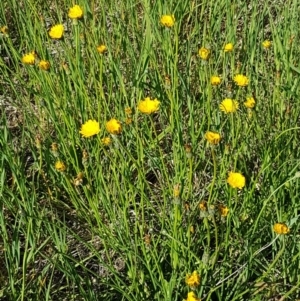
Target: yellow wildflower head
{"points": [[128, 120], [241, 80], [192, 280], [4, 30], [212, 137], [203, 206], [60, 166], [192, 297], [90, 128], [229, 105], [128, 111], [54, 147], [266, 44], [29, 58], [148, 106], [167, 20], [101, 48], [114, 126], [176, 191], [204, 53], [79, 179], [44, 65], [228, 47], [75, 12], [106, 141], [224, 210], [236, 180], [56, 31], [215, 80], [249, 103], [281, 228]]}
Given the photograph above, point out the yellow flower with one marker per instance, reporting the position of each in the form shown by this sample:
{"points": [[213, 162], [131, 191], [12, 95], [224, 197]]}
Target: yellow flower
{"points": [[281, 228], [79, 179], [192, 280], [148, 106], [223, 210], [128, 121], [241, 80], [266, 44], [29, 58], [60, 166], [4, 30], [212, 137], [192, 297], [75, 12], [249, 103], [167, 20], [90, 128], [128, 111], [44, 65], [56, 31], [228, 47], [236, 180], [203, 206], [229, 105], [114, 126], [106, 141], [204, 53], [176, 191], [101, 48], [215, 80]]}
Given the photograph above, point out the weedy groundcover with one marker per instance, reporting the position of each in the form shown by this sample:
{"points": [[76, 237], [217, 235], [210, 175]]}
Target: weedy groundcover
{"points": [[149, 150]]}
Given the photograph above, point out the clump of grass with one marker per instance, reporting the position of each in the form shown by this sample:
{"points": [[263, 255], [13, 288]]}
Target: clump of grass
{"points": [[149, 150]]}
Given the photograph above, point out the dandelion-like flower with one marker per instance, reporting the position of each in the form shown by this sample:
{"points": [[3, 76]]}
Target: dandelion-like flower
{"points": [[75, 12], [229, 105], [204, 53], [167, 20], [128, 111], [228, 47], [236, 180], [249, 103], [56, 31], [113, 126], [224, 210], [90, 128], [281, 228], [215, 80], [106, 141], [192, 280], [192, 297], [29, 58], [266, 44], [148, 106], [60, 166], [128, 120], [101, 48], [212, 137], [79, 179], [176, 191], [203, 206], [44, 65], [4, 30], [241, 80]]}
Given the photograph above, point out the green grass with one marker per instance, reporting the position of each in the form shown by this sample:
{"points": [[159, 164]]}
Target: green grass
{"points": [[118, 232]]}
